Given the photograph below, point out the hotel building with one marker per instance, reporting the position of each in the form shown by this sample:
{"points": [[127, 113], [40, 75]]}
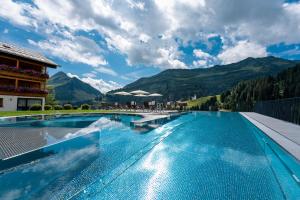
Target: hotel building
{"points": [[23, 77]]}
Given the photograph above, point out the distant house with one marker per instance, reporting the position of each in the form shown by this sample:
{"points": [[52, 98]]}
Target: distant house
{"points": [[23, 76], [194, 97]]}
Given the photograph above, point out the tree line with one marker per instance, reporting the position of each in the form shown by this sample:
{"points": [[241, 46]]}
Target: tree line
{"points": [[244, 95]]}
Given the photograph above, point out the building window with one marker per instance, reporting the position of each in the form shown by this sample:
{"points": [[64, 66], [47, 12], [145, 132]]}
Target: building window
{"points": [[1, 102], [25, 104]]}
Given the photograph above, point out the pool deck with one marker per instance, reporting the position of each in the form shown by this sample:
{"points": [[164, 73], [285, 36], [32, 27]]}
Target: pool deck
{"points": [[286, 134], [19, 141]]}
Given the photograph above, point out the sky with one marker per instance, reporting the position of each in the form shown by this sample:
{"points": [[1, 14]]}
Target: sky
{"points": [[110, 43]]}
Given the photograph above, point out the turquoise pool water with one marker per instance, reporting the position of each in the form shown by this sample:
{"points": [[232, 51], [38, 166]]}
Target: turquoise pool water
{"points": [[201, 155]]}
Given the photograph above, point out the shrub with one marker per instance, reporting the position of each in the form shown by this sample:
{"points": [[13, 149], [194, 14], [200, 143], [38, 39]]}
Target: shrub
{"points": [[35, 107], [75, 107], [48, 107], [58, 107], [68, 107], [85, 107]]}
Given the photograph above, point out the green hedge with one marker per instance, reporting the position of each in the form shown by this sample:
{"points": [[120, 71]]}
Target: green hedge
{"points": [[85, 107], [58, 107], [68, 107], [48, 107]]}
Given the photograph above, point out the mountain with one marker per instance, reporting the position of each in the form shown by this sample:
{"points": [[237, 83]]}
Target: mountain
{"points": [[177, 84], [72, 90]]}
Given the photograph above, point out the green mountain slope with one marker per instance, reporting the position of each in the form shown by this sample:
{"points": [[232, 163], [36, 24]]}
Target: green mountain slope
{"points": [[198, 102], [243, 96], [177, 84], [72, 90]]}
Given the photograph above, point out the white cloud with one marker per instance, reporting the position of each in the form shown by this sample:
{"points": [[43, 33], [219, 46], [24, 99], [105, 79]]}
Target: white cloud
{"points": [[15, 12], [201, 63], [99, 84], [151, 32], [92, 74], [120, 27], [204, 59], [242, 50], [105, 70], [169, 58], [136, 5], [5, 31], [72, 75], [144, 38], [201, 54], [79, 49]]}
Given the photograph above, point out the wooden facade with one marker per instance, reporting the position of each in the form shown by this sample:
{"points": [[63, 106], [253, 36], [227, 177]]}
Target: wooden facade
{"points": [[27, 81], [23, 74]]}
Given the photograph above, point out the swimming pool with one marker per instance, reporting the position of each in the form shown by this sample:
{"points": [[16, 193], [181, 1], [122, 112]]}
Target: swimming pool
{"points": [[201, 155]]}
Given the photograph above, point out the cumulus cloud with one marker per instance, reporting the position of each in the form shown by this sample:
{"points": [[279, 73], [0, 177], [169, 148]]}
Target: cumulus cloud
{"points": [[201, 54], [105, 70], [15, 12], [72, 75], [242, 50], [80, 49], [99, 84], [136, 5], [204, 59], [150, 33]]}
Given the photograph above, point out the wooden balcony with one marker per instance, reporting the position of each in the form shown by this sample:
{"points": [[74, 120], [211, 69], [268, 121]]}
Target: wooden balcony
{"points": [[15, 72], [22, 91]]}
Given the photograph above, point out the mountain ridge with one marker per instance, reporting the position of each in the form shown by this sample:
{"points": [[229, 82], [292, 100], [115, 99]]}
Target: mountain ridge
{"points": [[177, 84], [72, 90]]}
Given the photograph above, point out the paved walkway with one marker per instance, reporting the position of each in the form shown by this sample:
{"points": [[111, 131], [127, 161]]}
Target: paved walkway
{"points": [[286, 134]]}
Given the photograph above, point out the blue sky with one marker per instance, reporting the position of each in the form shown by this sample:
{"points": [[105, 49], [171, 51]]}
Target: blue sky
{"points": [[110, 43]]}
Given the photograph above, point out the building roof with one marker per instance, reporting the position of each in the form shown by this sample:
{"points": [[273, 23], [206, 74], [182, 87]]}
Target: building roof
{"points": [[13, 50]]}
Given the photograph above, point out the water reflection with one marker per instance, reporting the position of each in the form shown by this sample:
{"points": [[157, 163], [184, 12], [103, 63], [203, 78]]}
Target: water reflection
{"points": [[37, 142], [99, 147], [41, 174], [157, 164]]}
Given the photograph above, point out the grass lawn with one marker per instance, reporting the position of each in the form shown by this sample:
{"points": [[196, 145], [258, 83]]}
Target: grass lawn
{"points": [[200, 101], [49, 112]]}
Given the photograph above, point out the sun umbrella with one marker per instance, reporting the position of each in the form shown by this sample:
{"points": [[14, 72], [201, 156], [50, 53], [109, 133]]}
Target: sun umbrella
{"points": [[140, 95], [123, 93], [155, 95], [137, 92]]}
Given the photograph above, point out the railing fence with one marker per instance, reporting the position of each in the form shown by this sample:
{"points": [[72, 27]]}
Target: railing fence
{"points": [[284, 109]]}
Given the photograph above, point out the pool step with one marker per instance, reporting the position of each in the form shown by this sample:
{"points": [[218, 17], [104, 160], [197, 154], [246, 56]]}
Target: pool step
{"points": [[152, 120]]}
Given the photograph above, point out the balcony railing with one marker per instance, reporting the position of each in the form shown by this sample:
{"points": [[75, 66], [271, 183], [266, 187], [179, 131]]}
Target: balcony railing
{"points": [[285, 109], [22, 90], [23, 71]]}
